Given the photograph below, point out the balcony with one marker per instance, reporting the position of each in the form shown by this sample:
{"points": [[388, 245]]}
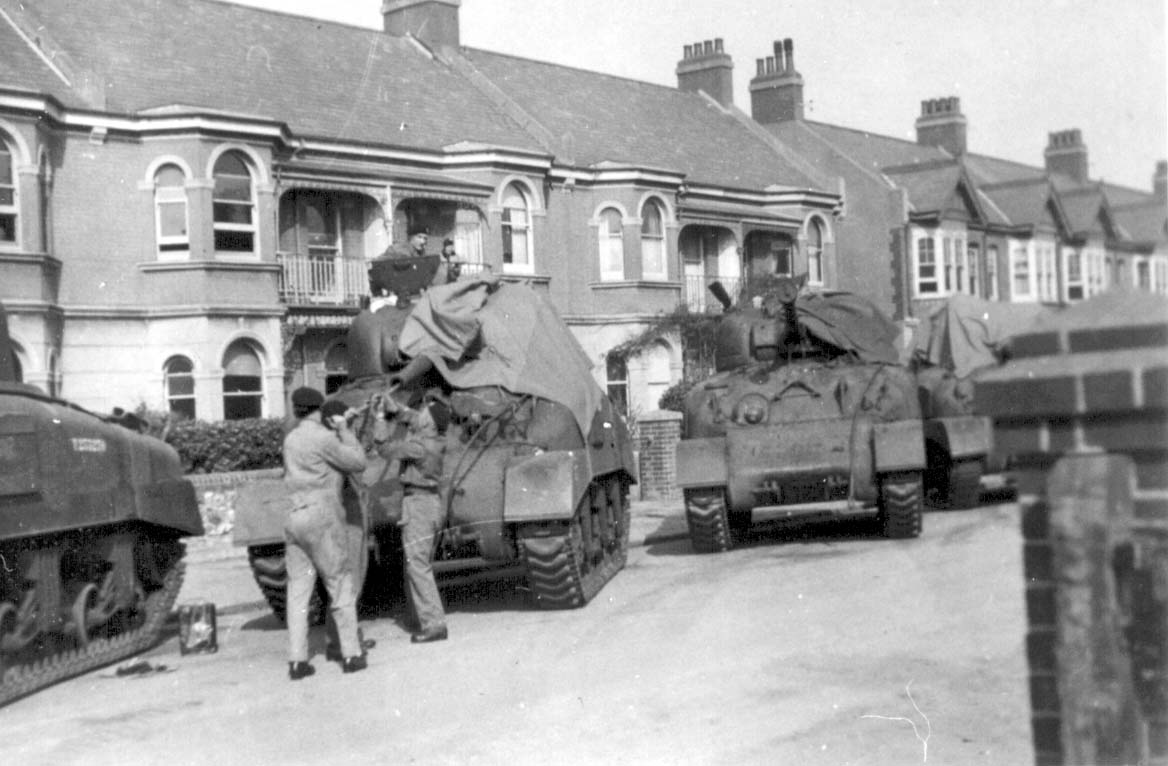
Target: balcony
{"points": [[306, 280], [699, 298]]}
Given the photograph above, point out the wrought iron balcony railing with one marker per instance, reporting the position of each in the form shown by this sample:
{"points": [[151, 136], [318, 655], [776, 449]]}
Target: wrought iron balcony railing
{"points": [[699, 298], [315, 280]]}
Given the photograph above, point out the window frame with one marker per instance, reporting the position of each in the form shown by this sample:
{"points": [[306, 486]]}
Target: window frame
{"points": [[816, 236], [168, 376], [973, 261], [1075, 279], [617, 388], [10, 210], [239, 395], [1022, 265], [611, 244], [511, 229], [923, 241], [653, 241], [991, 260], [228, 228], [171, 247]]}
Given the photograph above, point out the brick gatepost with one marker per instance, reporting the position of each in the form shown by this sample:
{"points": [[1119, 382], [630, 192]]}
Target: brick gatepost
{"points": [[1081, 413], [658, 433]]}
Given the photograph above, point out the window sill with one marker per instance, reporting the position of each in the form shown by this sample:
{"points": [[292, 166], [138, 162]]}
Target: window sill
{"points": [[536, 279], [204, 265], [636, 284]]}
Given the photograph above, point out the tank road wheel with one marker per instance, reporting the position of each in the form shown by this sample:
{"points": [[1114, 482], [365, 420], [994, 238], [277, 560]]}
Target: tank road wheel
{"points": [[710, 525], [267, 566], [901, 504], [960, 486], [567, 570]]}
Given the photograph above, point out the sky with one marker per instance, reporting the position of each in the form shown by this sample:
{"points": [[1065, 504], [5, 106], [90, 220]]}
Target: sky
{"points": [[1022, 68]]}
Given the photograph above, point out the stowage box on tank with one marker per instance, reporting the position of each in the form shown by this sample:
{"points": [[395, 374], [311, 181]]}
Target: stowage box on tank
{"points": [[808, 416], [91, 516], [537, 463]]}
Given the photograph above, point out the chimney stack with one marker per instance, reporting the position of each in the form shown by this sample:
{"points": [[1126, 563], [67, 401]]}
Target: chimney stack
{"points": [[942, 124], [707, 67], [434, 22], [1066, 154], [776, 92], [1160, 181]]}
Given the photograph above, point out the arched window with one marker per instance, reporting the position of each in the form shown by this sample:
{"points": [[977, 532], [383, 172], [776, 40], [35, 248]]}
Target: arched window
{"points": [[815, 252], [170, 213], [179, 379], [234, 205], [652, 241], [336, 367], [612, 247], [516, 230], [8, 197], [616, 370], [242, 382]]}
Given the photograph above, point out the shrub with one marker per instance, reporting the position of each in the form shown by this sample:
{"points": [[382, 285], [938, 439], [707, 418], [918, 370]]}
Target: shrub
{"points": [[674, 396], [228, 445]]}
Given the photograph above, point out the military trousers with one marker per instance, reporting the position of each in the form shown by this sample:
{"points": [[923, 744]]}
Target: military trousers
{"points": [[315, 544], [421, 521]]}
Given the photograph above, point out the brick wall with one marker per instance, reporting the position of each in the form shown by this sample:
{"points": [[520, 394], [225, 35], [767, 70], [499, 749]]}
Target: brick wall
{"points": [[657, 435], [1081, 414]]}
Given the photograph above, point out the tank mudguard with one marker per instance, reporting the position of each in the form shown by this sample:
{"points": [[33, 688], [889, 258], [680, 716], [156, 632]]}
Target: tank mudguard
{"points": [[701, 462], [261, 508], [899, 446], [965, 436], [170, 503], [545, 487]]}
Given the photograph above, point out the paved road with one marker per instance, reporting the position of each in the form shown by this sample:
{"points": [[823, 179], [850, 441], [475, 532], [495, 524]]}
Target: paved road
{"points": [[833, 649]]}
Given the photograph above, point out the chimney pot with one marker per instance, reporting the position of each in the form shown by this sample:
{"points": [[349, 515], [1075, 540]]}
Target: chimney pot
{"points": [[770, 64], [709, 47], [789, 53], [687, 52], [761, 64], [718, 45]]}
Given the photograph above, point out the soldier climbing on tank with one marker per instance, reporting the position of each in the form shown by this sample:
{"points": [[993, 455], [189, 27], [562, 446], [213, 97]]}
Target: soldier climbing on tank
{"points": [[315, 462], [420, 455]]}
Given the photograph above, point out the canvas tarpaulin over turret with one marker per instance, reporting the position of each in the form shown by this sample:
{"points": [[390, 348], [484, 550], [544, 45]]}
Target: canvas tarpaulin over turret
{"points": [[851, 323], [489, 333], [968, 333]]}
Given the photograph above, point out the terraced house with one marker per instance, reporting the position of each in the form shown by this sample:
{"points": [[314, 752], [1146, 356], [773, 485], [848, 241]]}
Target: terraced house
{"points": [[943, 220], [192, 190]]}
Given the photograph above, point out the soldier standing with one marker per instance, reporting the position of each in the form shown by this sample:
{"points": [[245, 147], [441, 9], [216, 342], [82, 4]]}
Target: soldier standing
{"points": [[315, 464], [420, 453]]}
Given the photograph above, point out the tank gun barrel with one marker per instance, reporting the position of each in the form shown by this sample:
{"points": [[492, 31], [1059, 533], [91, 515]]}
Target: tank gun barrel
{"points": [[720, 293]]}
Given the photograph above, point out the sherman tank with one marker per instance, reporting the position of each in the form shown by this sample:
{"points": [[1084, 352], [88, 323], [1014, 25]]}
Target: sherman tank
{"points": [[537, 465], [92, 513], [962, 338], [808, 416]]}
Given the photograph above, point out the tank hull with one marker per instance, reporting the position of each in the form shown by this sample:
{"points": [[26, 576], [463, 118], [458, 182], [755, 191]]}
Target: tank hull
{"points": [[91, 517]]}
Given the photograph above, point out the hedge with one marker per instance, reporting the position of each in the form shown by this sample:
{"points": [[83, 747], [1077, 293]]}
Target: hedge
{"points": [[228, 445]]}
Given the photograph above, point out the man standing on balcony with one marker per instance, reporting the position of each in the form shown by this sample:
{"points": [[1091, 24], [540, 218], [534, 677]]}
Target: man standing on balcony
{"points": [[418, 237]]}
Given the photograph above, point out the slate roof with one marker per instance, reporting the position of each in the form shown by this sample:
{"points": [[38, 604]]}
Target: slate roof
{"points": [[333, 81], [1023, 202], [1083, 208], [596, 118], [874, 151], [931, 187], [323, 79]]}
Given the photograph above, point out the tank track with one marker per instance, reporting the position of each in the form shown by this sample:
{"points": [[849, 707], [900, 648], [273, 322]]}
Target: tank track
{"points": [[271, 575], [24, 679], [708, 520], [560, 572], [901, 505], [962, 485]]}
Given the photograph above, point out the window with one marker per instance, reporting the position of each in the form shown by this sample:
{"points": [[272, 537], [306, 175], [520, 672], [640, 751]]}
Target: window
{"points": [[652, 241], [947, 247], [516, 231], [992, 272], [1020, 269], [1076, 290], [927, 267], [242, 383], [1047, 278], [973, 255], [179, 379], [612, 247], [8, 197], [782, 257], [657, 373], [1143, 275], [170, 213], [616, 369], [815, 252], [234, 207], [336, 367]]}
